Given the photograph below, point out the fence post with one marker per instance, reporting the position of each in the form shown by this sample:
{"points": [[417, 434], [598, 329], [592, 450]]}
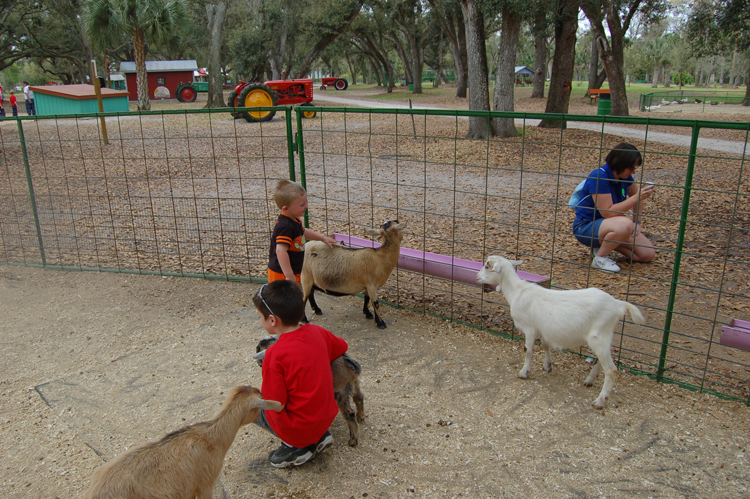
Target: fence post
{"points": [[300, 147], [678, 250], [31, 191], [290, 143]]}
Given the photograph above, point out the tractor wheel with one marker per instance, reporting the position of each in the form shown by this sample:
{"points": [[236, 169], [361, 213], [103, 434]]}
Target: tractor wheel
{"points": [[322, 87], [308, 114], [341, 84], [257, 95], [177, 92], [232, 102], [187, 94]]}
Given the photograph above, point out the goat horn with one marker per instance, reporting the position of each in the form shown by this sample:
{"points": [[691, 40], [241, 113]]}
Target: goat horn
{"points": [[260, 355]]}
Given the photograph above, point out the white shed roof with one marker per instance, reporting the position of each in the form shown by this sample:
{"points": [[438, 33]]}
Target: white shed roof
{"points": [[161, 66]]}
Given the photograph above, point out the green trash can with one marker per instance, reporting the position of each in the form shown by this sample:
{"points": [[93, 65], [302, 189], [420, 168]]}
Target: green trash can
{"points": [[411, 87], [605, 104]]}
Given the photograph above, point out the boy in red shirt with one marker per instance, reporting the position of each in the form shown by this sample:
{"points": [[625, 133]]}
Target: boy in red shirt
{"points": [[287, 253], [14, 103], [297, 373]]}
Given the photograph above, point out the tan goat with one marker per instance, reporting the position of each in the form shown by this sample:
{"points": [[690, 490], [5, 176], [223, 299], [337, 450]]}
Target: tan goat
{"points": [[341, 271], [185, 463]]}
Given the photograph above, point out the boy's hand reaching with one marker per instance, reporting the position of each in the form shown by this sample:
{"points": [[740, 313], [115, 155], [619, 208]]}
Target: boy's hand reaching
{"points": [[328, 240]]}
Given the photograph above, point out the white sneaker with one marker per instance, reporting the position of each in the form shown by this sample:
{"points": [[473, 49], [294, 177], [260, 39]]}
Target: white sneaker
{"points": [[604, 263]]}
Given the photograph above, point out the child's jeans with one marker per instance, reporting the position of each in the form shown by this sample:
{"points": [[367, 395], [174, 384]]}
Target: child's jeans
{"points": [[15, 110]]}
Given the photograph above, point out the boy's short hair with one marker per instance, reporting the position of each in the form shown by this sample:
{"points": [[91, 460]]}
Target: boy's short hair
{"points": [[282, 298], [622, 157], [286, 192]]}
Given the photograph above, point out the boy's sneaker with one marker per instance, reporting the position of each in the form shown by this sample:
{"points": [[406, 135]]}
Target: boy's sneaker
{"points": [[604, 263], [284, 456], [325, 441]]}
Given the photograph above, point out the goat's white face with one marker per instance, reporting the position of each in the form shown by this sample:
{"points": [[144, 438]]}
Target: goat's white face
{"points": [[495, 268]]}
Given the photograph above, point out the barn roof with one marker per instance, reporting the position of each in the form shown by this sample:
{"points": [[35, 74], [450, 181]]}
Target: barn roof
{"points": [[161, 66], [524, 70]]}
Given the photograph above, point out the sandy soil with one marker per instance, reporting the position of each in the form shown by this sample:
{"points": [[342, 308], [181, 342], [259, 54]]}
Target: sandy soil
{"points": [[96, 363]]}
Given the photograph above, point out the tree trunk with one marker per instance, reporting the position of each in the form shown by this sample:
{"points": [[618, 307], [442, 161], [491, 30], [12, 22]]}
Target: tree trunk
{"points": [[479, 98], [144, 97], [417, 58], [594, 65], [216, 15], [462, 61], [733, 71], [505, 76], [746, 100], [404, 59], [563, 62], [540, 67], [667, 76], [655, 79], [439, 71], [352, 69]]}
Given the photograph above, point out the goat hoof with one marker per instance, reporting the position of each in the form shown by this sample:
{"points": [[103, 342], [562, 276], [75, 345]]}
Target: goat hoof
{"points": [[588, 383], [353, 442], [381, 325], [598, 406], [318, 312], [523, 375], [369, 316], [548, 368]]}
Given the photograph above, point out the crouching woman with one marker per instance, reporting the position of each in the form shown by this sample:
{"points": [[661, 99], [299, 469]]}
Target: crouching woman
{"points": [[609, 193]]}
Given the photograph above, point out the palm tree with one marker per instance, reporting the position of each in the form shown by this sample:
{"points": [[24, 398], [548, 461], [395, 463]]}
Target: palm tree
{"points": [[152, 21]]}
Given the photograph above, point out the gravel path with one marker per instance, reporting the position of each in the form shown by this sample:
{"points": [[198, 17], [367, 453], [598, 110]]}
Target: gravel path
{"points": [[727, 146]]}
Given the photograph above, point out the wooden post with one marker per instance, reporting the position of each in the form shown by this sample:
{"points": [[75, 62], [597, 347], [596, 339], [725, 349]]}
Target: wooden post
{"points": [[98, 91]]}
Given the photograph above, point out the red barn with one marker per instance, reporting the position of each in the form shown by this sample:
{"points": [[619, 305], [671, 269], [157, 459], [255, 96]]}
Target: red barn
{"points": [[167, 74]]}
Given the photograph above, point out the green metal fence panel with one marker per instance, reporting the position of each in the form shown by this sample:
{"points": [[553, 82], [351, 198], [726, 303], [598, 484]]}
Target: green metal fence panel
{"points": [[473, 198], [189, 193], [173, 193]]}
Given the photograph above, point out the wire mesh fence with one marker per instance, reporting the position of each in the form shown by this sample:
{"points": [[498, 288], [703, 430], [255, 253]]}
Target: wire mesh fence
{"points": [[188, 193], [696, 100]]}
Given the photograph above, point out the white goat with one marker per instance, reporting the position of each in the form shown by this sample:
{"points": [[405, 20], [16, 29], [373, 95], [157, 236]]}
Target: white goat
{"points": [[185, 463], [341, 271], [561, 319]]}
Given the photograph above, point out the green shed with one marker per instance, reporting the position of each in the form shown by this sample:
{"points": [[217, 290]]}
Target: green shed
{"points": [[77, 99]]}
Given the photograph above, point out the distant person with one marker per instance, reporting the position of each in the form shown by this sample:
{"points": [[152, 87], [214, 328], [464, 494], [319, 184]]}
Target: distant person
{"points": [[287, 253], [2, 109], [13, 103], [608, 194], [28, 95]]}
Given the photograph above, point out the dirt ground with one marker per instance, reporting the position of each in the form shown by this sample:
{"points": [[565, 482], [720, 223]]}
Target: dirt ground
{"points": [[95, 363]]}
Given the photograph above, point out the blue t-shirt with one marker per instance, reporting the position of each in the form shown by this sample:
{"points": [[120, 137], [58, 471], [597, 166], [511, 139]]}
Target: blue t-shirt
{"points": [[601, 181]]}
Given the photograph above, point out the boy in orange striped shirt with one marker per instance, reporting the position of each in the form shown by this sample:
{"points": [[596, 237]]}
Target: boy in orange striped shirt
{"points": [[287, 252]]}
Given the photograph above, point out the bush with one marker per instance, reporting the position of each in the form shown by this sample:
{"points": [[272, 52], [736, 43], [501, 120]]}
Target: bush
{"points": [[687, 79]]}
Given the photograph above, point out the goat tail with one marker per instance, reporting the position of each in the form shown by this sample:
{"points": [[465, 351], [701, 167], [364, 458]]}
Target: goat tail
{"points": [[635, 313]]}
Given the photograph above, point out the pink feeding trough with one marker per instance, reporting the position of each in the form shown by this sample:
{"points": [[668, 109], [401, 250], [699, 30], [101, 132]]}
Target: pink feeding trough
{"points": [[435, 264], [736, 334]]}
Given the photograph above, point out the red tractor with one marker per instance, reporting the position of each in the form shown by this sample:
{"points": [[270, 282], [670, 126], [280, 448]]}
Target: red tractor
{"points": [[271, 93], [337, 83]]}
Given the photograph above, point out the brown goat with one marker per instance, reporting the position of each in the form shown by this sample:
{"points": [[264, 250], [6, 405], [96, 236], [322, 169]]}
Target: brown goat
{"points": [[346, 373], [185, 463], [341, 271]]}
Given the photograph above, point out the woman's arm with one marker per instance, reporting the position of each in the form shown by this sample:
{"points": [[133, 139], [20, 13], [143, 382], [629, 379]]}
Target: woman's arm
{"points": [[635, 195]]}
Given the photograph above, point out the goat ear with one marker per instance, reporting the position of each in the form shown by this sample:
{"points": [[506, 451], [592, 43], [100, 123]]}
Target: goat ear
{"points": [[401, 226], [268, 405], [515, 263], [260, 355], [372, 232]]}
